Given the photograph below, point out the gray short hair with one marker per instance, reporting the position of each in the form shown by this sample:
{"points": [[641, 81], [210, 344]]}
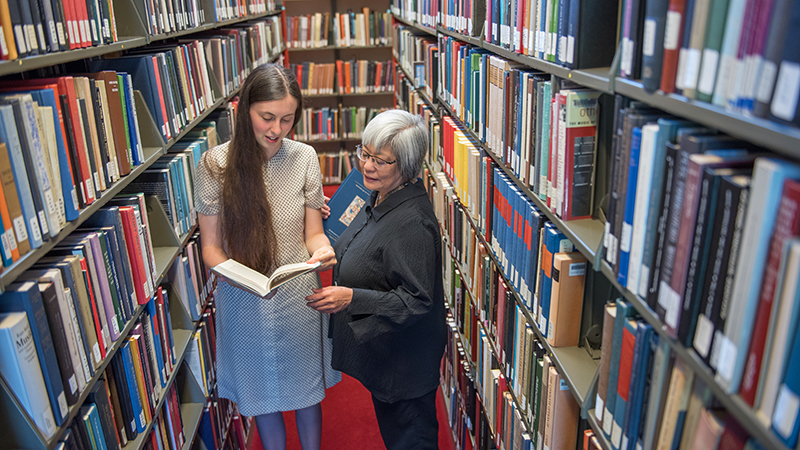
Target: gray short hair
{"points": [[405, 134]]}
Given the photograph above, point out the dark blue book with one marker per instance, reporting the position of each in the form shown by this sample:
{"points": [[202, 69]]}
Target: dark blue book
{"points": [[133, 389], [653, 47], [25, 297], [591, 41], [109, 217], [345, 204], [639, 378], [784, 106], [785, 420]]}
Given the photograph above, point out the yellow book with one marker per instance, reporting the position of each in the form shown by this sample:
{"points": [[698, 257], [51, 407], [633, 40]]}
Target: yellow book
{"points": [[133, 341]]}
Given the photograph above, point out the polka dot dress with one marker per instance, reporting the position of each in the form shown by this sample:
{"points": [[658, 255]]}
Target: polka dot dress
{"points": [[273, 355]]}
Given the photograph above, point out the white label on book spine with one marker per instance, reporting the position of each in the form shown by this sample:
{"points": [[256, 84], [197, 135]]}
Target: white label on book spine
{"points": [[12, 242], [624, 442], [702, 336], [19, 228], [649, 44], [570, 49], [644, 279], [727, 358], [768, 73], [616, 435], [708, 71], [673, 307], [3, 45], [627, 56], [73, 384], [62, 39], [786, 408], [62, 404], [692, 68], [627, 231], [43, 222], [96, 353], [784, 105], [577, 269], [598, 408], [20, 37], [672, 30]]}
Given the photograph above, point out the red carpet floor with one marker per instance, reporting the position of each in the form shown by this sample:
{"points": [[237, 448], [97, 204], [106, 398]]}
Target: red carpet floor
{"points": [[348, 421]]}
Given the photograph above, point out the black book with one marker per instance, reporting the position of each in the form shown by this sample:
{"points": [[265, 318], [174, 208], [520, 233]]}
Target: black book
{"points": [[99, 396], [70, 443], [78, 439], [72, 149], [731, 206], [81, 433], [29, 26], [18, 26], [59, 337], [99, 124], [116, 405], [116, 370], [60, 24]]}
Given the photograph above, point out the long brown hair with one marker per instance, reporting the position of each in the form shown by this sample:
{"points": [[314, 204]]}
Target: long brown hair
{"points": [[248, 231]]}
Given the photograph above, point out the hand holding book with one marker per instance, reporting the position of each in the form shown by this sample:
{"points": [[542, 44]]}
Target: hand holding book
{"points": [[243, 277], [325, 256]]}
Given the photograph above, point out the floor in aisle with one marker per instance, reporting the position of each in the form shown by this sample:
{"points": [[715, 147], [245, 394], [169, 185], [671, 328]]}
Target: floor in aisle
{"points": [[348, 421]]}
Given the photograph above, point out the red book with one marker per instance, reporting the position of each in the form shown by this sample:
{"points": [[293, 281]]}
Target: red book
{"points": [[626, 359], [672, 44], [98, 325], [131, 230], [72, 32], [162, 99], [787, 225], [734, 437]]}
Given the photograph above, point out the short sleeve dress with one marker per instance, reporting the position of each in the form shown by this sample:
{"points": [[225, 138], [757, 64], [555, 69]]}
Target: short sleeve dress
{"points": [[273, 355]]}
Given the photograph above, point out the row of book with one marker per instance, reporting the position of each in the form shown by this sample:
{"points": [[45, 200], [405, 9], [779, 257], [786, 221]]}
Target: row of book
{"points": [[167, 16], [648, 397], [424, 13], [708, 245], [336, 166], [345, 77], [419, 56], [342, 122], [29, 28], [316, 30], [233, 9], [738, 54]]}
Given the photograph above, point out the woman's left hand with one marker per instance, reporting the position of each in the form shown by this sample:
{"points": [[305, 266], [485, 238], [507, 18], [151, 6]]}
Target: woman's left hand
{"points": [[330, 299], [326, 256]]}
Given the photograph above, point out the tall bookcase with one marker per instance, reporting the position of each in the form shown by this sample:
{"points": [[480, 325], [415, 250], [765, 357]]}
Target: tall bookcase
{"points": [[576, 365], [16, 426], [333, 53]]}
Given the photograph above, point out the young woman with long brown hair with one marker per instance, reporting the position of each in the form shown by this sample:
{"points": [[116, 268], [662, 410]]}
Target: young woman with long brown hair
{"points": [[259, 200]]}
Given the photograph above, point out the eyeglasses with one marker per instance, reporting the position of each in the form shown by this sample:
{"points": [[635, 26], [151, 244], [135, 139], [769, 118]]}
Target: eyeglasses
{"points": [[364, 156]]}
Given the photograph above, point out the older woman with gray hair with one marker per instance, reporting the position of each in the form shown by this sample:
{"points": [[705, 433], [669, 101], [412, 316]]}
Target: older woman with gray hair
{"points": [[388, 325]]}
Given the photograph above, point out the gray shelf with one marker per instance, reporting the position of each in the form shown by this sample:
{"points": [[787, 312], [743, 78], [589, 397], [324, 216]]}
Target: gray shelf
{"points": [[335, 94], [50, 59], [417, 26], [779, 138], [236, 20]]}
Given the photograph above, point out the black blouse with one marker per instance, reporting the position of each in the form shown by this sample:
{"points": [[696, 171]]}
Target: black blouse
{"points": [[392, 335]]}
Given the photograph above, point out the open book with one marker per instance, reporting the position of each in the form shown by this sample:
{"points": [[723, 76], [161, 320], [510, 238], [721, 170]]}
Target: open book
{"points": [[259, 284]]}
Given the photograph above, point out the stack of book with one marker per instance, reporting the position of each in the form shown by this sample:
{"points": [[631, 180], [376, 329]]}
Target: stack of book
{"points": [[419, 57], [232, 9]]}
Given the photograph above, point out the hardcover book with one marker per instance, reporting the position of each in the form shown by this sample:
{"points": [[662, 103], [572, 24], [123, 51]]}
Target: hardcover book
{"points": [[257, 283], [345, 204]]}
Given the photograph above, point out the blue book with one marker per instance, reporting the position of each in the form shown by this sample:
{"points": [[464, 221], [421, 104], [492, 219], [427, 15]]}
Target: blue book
{"points": [[46, 97], [784, 106], [91, 420], [133, 389], [537, 225], [125, 82], [8, 134], [205, 427], [624, 311], [555, 242], [25, 297], [630, 207], [350, 197], [109, 217], [168, 320], [639, 376], [153, 318]]}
